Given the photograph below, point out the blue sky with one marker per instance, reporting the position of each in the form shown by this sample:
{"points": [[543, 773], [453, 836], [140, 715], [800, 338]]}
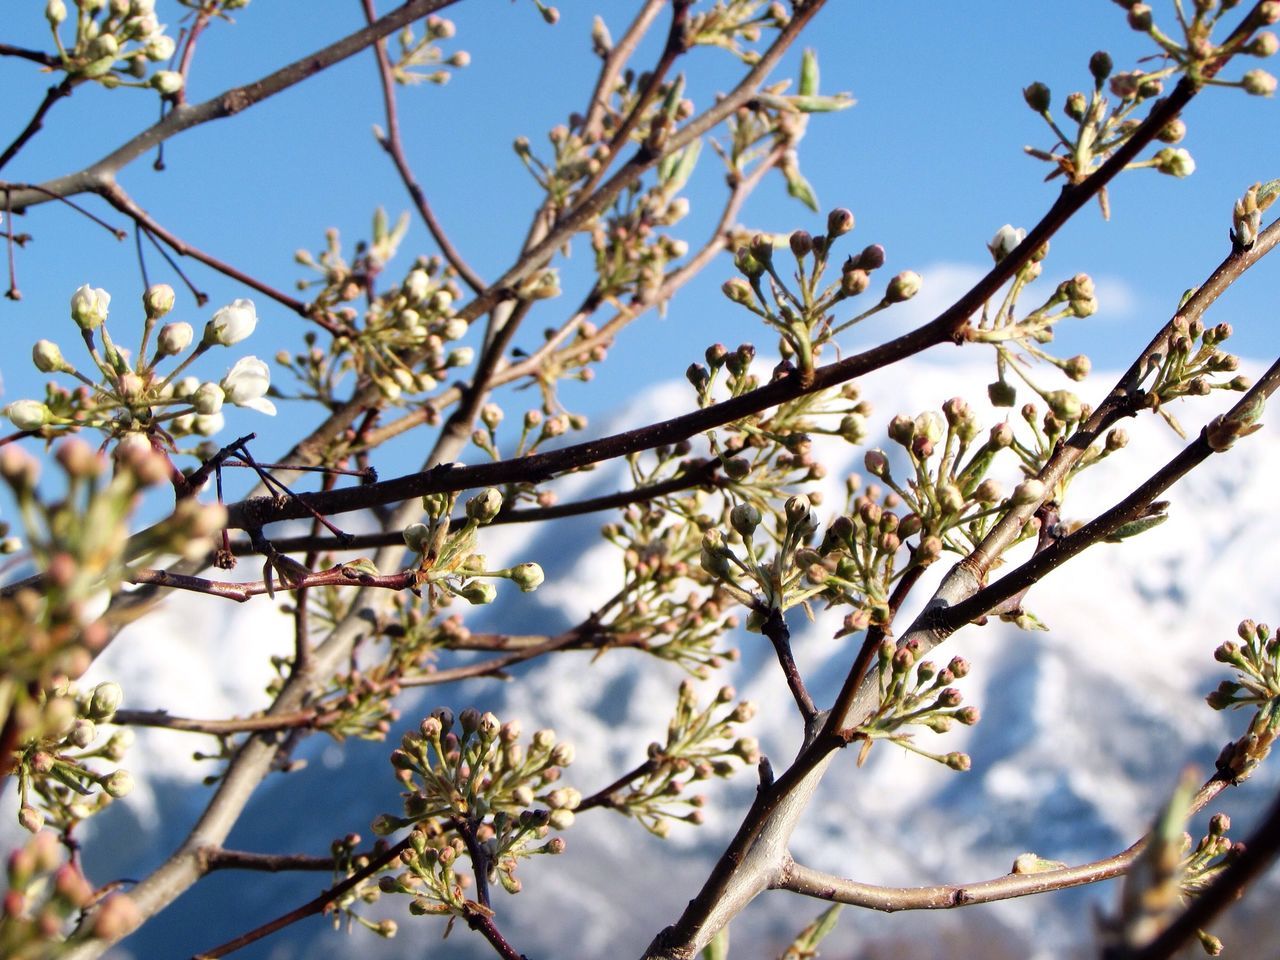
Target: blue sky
{"points": [[930, 160]]}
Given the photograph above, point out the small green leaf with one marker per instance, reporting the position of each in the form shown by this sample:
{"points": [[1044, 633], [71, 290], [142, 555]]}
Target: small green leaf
{"points": [[718, 948], [681, 169], [798, 187], [808, 74]]}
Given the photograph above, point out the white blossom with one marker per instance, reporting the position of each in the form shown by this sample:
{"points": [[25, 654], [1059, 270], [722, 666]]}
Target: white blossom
{"points": [[232, 323], [1005, 241], [247, 383]]}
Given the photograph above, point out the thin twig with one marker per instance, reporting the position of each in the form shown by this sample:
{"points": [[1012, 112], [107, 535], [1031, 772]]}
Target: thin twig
{"points": [[809, 882], [394, 147], [775, 628], [309, 909], [52, 96]]}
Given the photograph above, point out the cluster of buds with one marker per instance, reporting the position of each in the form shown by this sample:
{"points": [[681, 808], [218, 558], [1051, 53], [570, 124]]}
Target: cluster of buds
{"points": [[702, 742], [736, 27], [659, 549], [855, 562], [801, 317], [115, 43], [916, 694], [1195, 49], [473, 789], [57, 785], [950, 498], [78, 543], [632, 250], [46, 895], [449, 557], [779, 579], [1193, 364], [1246, 216], [130, 400], [1101, 128], [407, 342], [420, 59], [1256, 686]]}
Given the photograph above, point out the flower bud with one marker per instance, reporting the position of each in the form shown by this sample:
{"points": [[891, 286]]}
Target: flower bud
{"points": [[1100, 65], [1177, 162], [174, 338], [903, 287], [208, 399], [744, 518], [484, 506], [1037, 97], [527, 576], [118, 784], [839, 222], [48, 357], [417, 537], [801, 243], [27, 414], [55, 12], [89, 306], [158, 300], [1259, 83], [1005, 241], [1028, 492], [478, 592], [166, 82], [231, 323], [105, 701]]}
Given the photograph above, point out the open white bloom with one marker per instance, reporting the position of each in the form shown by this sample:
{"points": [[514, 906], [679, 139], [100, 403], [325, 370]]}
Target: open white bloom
{"points": [[89, 306], [232, 323], [1005, 241], [247, 383]]}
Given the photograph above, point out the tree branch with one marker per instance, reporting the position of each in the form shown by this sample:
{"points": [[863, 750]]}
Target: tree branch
{"points": [[226, 104]]}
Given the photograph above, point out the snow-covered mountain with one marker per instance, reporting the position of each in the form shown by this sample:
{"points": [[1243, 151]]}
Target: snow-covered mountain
{"points": [[1085, 729]]}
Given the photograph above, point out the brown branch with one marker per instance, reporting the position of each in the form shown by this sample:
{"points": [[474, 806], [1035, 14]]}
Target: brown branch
{"points": [[705, 474], [1132, 507], [538, 254], [607, 796], [228, 103], [1259, 852], [115, 195], [52, 96], [309, 909], [775, 628], [336, 576], [35, 56], [613, 64], [217, 858], [946, 326], [676, 44], [218, 728], [809, 882], [394, 147]]}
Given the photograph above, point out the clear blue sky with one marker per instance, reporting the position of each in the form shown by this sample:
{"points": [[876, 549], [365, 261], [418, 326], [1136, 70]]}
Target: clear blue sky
{"points": [[930, 160]]}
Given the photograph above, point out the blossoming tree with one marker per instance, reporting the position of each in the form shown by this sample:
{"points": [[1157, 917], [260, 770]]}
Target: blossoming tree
{"points": [[722, 525]]}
